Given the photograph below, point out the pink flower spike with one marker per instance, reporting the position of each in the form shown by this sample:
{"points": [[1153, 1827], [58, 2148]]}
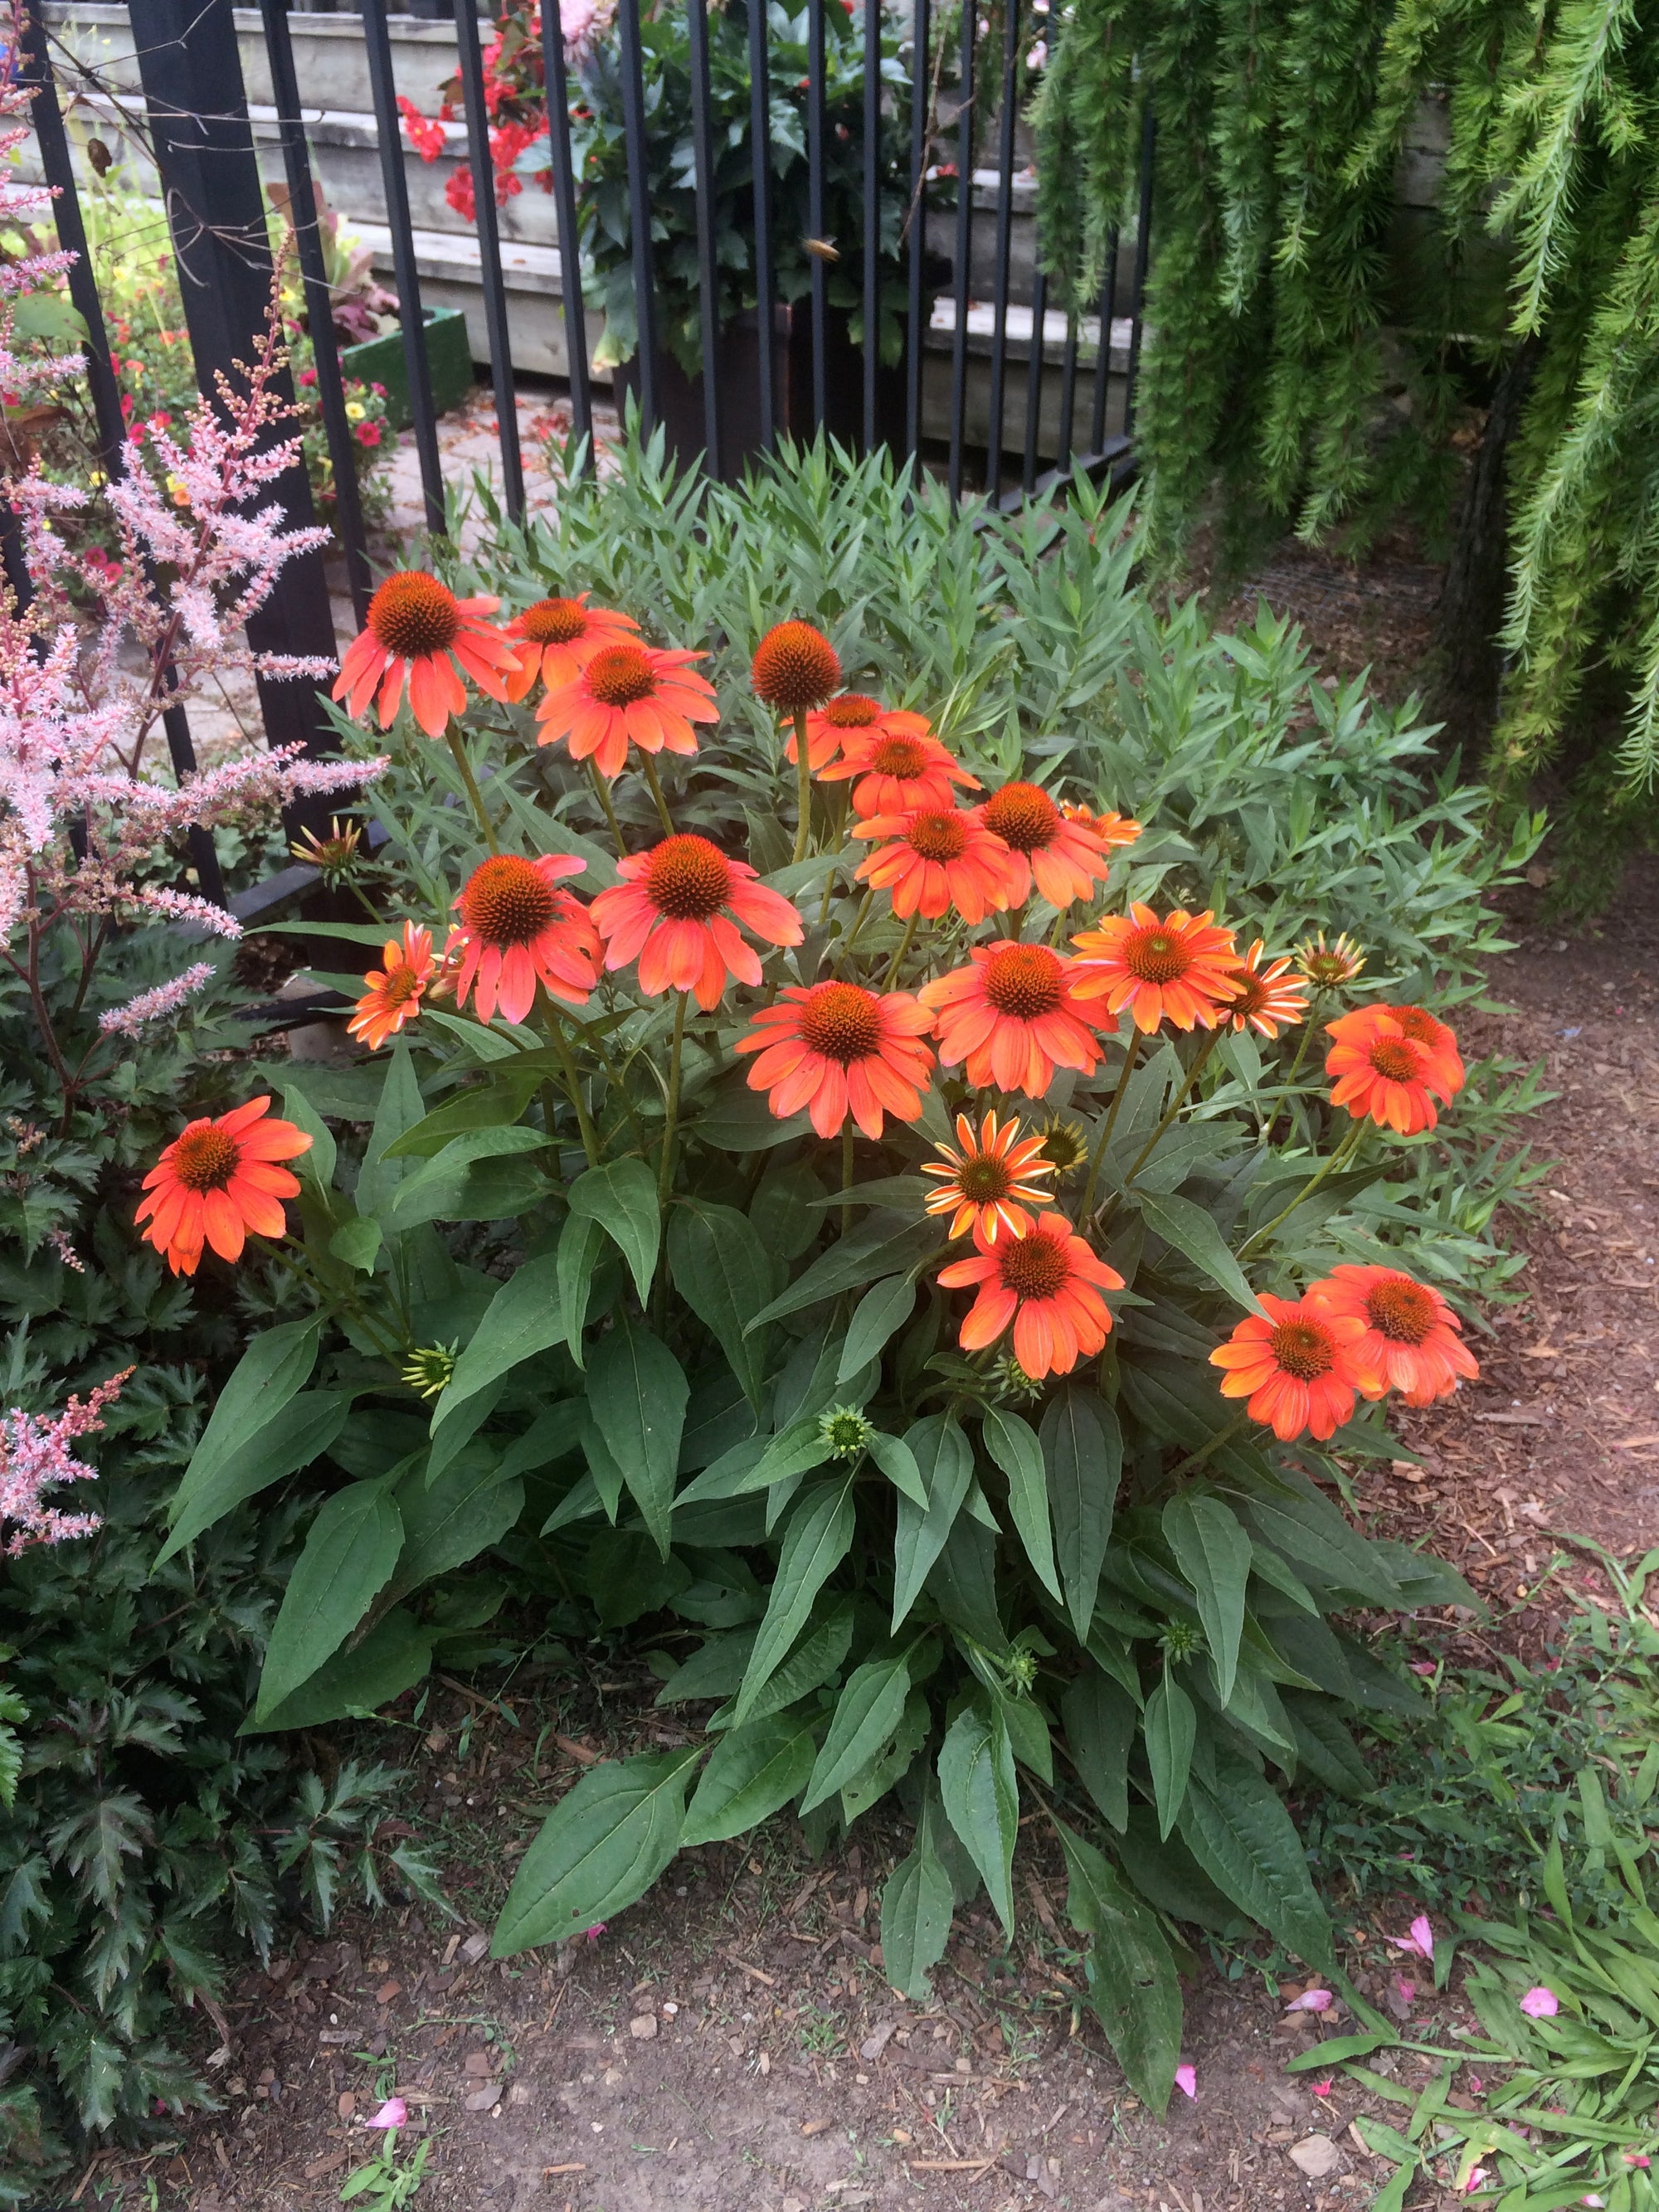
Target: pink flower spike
{"points": [[1311, 2000], [1420, 1939], [1540, 2003], [1185, 2080], [394, 2113], [1323, 2088]]}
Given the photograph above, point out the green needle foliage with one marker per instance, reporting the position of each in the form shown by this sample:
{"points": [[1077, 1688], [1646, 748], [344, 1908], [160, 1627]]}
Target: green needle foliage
{"points": [[1314, 369]]}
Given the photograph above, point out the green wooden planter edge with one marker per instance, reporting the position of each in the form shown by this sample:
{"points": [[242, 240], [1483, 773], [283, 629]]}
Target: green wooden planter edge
{"points": [[449, 357]]}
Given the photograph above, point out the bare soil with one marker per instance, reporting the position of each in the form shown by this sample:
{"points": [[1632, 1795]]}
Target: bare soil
{"points": [[731, 2044]]}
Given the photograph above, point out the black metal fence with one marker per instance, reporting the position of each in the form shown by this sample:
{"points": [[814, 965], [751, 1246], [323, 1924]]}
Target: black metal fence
{"points": [[201, 136]]}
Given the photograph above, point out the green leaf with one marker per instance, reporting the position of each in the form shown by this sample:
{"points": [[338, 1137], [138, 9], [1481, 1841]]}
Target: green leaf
{"points": [[898, 1463], [868, 1254], [1313, 1531], [759, 1462], [621, 1197], [723, 1273], [818, 1538], [945, 1460], [1013, 1443], [275, 1368], [600, 1848], [981, 1792], [755, 1769], [637, 1394], [355, 1683], [880, 1313], [1101, 1719], [523, 1318], [357, 1244], [916, 1909], [317, 1165], [400, 1108], [1194, 1233], [1242, 1837], [1170, 1727], [486, 1175], [1082, 1458], [349, 1555], [813, 1661], [1213, 1550], [867, 1714], [1132, 1984], [450, 1520], [302, 1432], [581, 1243], [1325, 1748]]}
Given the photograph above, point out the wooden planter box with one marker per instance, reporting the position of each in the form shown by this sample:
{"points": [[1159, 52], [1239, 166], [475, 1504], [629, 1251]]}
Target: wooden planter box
{"points": [[448, 358]]}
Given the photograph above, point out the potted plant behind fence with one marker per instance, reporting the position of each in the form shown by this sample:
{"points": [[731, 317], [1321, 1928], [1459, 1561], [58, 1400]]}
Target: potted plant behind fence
{"points": [[520, 152]]}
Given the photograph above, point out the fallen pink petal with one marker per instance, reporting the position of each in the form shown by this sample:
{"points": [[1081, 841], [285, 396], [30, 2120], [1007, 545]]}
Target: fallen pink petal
{"points": [[1637, 2158], [1539, 2003], [1185, 2080], [394, 2113], [1422, 1666], [1407, 1989], [1323, 2088], [1473, 2180], [597, 1930], [1311, 2000]]}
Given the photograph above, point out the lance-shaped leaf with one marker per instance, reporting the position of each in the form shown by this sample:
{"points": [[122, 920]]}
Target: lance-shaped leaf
{"points": [[621, 1197], [869, 1710], [302, 1432], [880, 1314], [601, 1848], [1132, 1982], [945, 1462], [637, 1394], [977, 1782], [916, 1907], [818, 1538], [755, 1769], [1170, 1728], [1192, 1231], [1013, 1443], [723, 1271], [1082, 1458], [1243, 1840], [275, 1368], [349, 1555], [1213, 1550], [522, 1319]]}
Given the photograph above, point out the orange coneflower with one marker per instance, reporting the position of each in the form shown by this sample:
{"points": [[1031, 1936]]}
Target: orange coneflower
{"points": [[1294, 1365], [1437, 1038], [1329, 967], [627, 694], [851, 717], [987, 1185], [836, 1049], [900, 771], [393, 995], [934, 859], [1411, 1342], [419, 630], [1067, 855], [1013, 1016], [794, 668], [216, 1181], [1269, 998], [1047, 1284], [557, 638], [1110, 828], [673, 913], [1179, 969], [519, 929], [1382, 1072]]}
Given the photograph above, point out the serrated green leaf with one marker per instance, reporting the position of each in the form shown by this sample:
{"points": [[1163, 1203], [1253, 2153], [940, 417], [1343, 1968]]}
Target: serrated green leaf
{"points": [[818, 1538], [756, 1769], [581, 1241], [522, 1319], [1132, 1983], [1243, 1840], [945, 1461], [299, 1433], [637, 1394], [867, 1713], [621, 1197], [1171, 1727], [1101, 1720], [868, 1254], [349, 1557], [1213, 1550], [1082, 1458], [1013, 1443], [879, 1315], [275, 1368], [450, 1520], [981, 1794], [917, 1906], [488, 1175], [599, 1849], [898, 1463], [1192, 1231], [723, 1273]]}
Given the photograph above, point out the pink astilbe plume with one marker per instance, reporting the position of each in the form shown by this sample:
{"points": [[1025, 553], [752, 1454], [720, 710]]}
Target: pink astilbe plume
{"points": [[152, 1005], [35, 1454]]}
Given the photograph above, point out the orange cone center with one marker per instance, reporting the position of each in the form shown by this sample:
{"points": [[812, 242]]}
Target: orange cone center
{"points": [[938, 836], [205, 1160], [1401, 1310], [1303, 1350], [840, 1022], [1035, 1267], [508, 900], [1023, 816], [687, 879], [620, 676], [555, 621], [412, 614], [1025, 982]]}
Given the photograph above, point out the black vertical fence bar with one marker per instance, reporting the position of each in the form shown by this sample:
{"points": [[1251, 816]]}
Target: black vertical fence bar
{"points": [[917, 305], [639, 206], [819, 245], [1143, 248], [564, 214], [384, 93], [203, 142], [965, 244], [760, 156], [343, 448], [1005, 242], [490, 253], [702, 154], [58, 171], [1034, 366], [1103, 349], [1067, 393], [871, 214]]}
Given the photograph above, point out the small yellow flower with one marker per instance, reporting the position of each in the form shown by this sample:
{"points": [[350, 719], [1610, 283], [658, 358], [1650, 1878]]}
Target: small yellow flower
{"points": [[179, 496], [356, 410], [96, 477]]}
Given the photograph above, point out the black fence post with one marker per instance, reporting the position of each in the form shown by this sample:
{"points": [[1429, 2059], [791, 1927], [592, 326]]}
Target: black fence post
{"points": [[203, 147], [490, 271], [632, 58], [564, 214], [709, 274], [760, 167]]}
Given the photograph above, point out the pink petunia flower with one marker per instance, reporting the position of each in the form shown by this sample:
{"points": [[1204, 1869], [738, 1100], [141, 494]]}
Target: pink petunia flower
{"points": [[394, 2113], [1540, 2003], [1186, 2079]]}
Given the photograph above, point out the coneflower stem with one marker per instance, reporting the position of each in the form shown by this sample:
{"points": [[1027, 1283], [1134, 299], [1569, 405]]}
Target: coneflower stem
{"points": [[573, 1082], [897, 961], [803, 786], [603, 790], [846, 1173], [650, 768], [458, 746], [671, 1110], [1302, 1044], [1105, 1136], [1175, 1104], [1221, 1437], [1345, 1151], [858, 919]]}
